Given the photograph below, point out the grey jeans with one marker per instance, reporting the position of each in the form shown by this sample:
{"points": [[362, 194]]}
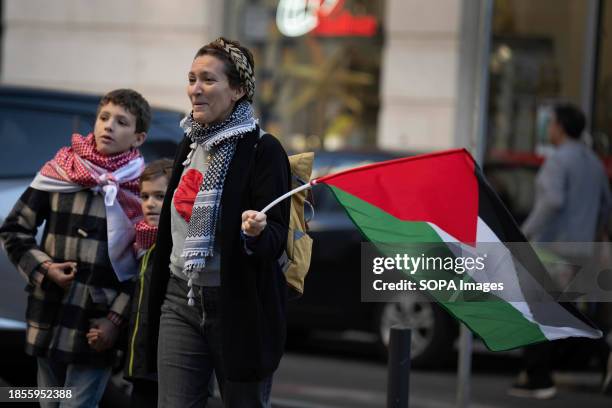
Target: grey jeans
{"points": [[189, 349]]}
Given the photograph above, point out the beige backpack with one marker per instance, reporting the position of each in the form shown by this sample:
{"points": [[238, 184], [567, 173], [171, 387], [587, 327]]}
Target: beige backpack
{"points": [[299, 244], [295, 261]]}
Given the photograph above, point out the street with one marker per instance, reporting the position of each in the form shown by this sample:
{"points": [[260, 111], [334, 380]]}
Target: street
{"points": [[337, 374], [326, 382], [329, 372]]}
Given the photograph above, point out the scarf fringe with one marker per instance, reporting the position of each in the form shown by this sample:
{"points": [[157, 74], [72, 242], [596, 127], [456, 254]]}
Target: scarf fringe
{"points": [[191, 253], [194, 266]]}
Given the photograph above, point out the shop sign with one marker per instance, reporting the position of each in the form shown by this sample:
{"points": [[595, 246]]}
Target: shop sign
{"points": [[322, 17]]}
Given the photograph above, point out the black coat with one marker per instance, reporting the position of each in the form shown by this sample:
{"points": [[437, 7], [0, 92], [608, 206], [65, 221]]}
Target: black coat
{"points": [[253, 287], [136, 361]]}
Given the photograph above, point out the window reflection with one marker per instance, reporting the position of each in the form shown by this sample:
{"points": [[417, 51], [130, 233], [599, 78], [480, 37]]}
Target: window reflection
{"points": [[320, 89], [536, 60]]}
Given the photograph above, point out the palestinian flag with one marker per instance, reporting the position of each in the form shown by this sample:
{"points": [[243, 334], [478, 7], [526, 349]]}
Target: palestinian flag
{"points": [[443, 198]]}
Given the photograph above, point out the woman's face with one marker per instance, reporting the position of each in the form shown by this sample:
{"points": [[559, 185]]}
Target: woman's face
{"points": [[212, 98]]}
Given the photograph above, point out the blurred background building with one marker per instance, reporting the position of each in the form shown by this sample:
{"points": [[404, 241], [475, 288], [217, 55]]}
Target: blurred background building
{"points": [[397, 74]]}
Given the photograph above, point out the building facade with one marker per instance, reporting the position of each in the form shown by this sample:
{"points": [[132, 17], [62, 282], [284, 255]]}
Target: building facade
{"points": [[397, 74]]}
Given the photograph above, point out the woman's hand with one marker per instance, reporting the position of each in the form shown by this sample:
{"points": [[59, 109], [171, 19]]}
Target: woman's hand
{"points": [[253, 222]]}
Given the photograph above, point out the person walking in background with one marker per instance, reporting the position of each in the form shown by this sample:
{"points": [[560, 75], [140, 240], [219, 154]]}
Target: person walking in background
{"points": [[216, 280], [79, 277], [572, 196], [572, 204]]}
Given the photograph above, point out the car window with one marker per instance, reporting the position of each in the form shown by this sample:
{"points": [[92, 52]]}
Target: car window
{"points": [[165, 125], [158, 149], [30, 136]]}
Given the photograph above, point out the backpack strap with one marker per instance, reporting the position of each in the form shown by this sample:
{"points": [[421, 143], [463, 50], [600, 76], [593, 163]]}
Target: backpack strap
{"points": [[283, 261]]}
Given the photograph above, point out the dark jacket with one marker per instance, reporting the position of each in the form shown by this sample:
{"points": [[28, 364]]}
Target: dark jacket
{"points": [[136, 363], [253, 287], [75, 230]]}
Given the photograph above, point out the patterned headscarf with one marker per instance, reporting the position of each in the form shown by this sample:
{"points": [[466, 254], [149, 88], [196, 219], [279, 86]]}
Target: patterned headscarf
{"points": [[241, 62]]}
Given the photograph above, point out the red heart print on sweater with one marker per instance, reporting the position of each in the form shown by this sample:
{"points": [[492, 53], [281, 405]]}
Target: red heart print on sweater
{"points": [[186, 192]]}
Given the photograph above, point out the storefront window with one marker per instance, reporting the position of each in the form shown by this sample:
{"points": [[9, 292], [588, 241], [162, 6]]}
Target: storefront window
{"points": [[537, 55], [319, 88]]}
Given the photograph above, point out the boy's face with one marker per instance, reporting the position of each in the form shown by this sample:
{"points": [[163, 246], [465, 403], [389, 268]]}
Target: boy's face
{"points": [[115, 130], [152, 194]]}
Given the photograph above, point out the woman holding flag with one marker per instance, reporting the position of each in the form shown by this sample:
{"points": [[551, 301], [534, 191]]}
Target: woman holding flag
{"points": [[218, 296]]}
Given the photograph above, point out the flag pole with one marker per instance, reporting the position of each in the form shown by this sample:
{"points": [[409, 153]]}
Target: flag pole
{"points": [[289, 194]]}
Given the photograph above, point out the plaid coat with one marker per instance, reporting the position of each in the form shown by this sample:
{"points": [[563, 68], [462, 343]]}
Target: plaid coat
{"points": [[75, 230]]}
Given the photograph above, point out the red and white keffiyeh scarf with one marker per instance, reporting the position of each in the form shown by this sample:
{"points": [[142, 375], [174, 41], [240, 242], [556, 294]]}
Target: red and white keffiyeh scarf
{"points": [[80, 166], [145, 237]]}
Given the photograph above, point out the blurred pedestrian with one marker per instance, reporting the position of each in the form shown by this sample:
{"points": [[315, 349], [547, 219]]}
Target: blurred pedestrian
{"points": [[79, 277], [572, 204], [216, 281]]}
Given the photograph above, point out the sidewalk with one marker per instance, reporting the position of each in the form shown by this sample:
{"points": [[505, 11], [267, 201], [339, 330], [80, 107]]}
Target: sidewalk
{"points": [[276, 403]]}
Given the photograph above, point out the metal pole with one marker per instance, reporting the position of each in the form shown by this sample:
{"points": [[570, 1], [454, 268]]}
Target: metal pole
{"points": [[398, 367], [486, 22], [467, 77], [464, 370]]}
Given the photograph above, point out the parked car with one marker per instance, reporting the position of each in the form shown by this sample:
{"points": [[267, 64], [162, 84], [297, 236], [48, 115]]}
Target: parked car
{"points": [[332, 297], [34, 124]]}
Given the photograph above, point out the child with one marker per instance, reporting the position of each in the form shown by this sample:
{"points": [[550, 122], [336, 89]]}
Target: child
{"points": [[79, 276], [153, 184]]}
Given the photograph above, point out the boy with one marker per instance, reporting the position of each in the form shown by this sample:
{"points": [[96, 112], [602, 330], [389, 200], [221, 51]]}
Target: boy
{"points": [[79, 277], [153, 185]]}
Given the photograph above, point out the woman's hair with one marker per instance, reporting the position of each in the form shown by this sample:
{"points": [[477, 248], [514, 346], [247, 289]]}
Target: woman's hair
{"points": [[155, 169], [219, 49]]}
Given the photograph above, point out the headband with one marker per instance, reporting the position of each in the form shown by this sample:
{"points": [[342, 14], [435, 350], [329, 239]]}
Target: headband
{"points": [[242, 65]]}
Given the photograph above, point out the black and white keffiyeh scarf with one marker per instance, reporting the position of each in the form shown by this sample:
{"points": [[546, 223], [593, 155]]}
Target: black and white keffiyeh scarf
{"points": [[220, 142]]}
